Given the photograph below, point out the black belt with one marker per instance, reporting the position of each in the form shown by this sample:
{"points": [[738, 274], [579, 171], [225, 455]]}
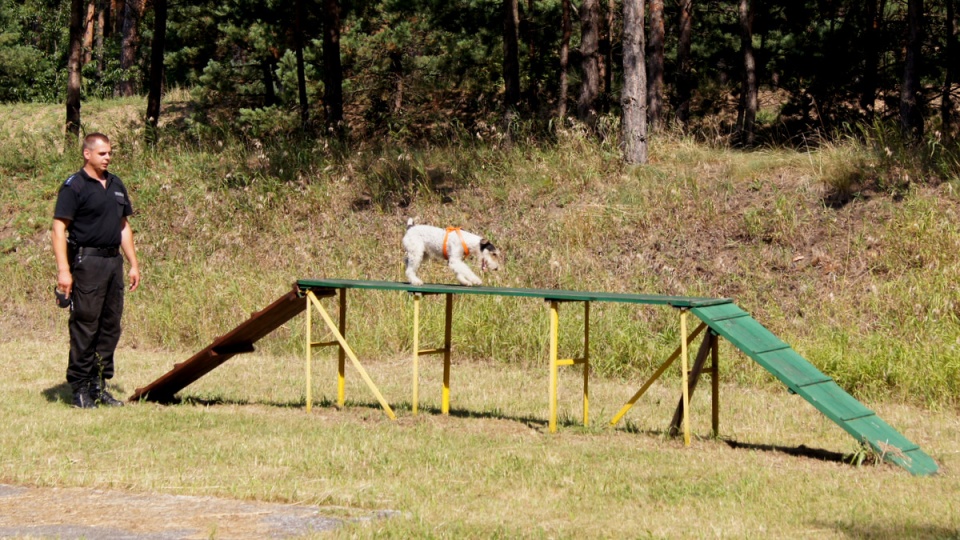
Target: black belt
{"points": [[97, 252]]}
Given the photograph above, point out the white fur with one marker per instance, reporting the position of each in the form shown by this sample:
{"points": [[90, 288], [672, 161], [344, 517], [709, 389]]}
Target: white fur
{"points": [[426, 242]]}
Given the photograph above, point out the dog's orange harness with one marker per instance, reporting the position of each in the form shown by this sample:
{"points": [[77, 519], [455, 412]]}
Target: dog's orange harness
{"points": [[466, 250]]}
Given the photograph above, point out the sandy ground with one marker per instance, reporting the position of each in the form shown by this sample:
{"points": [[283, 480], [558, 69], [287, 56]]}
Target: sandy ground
{"points": [[77, 513]]}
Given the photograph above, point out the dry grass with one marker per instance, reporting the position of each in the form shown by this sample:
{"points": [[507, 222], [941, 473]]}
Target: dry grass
{"points": [[489, 469]]}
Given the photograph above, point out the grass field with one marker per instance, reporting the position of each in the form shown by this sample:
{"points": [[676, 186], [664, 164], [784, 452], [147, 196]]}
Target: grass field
{"points": [[490, 469], [865, 288]]}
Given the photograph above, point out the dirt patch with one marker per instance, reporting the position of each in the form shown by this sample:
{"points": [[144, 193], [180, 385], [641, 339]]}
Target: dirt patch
{"points": [[73, 513]]}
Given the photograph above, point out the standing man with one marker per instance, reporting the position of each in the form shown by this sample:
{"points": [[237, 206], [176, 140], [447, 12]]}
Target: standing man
{"points": [[90, 229]]}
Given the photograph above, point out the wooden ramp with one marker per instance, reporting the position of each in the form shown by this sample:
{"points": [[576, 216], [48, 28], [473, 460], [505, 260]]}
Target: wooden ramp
{"points": [[805, 380], [239, 340]]}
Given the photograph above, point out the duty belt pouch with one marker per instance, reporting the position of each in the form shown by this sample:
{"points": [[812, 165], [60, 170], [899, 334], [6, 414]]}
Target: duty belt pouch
{"points": [[73, 254]]}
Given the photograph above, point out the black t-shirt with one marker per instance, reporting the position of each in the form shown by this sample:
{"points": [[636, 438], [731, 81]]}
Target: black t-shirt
{"points": [[95, 213]]}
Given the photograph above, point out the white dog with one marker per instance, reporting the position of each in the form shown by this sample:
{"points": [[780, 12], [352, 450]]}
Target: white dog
{"points": [[452, 244]]}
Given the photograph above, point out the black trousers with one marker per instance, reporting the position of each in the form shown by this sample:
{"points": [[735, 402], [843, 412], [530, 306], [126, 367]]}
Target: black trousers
{"points": [[95, 318]]}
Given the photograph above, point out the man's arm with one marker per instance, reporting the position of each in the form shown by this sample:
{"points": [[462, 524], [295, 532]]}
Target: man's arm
{"points": [[130, 252], [59, 236]]}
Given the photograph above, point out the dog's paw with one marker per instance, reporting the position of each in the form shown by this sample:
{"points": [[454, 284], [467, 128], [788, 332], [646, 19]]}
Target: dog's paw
{"points": [[416, 282]]}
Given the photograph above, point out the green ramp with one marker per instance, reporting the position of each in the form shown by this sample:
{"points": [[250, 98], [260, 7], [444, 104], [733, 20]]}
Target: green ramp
{"points": [[801, 377]]}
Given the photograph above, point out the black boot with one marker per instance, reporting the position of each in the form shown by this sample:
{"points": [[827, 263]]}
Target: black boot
{"points": [[82, 398], [99, 394]]}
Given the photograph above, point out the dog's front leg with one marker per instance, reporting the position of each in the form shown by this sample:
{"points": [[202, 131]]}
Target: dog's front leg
{"points": [[464, 275]]}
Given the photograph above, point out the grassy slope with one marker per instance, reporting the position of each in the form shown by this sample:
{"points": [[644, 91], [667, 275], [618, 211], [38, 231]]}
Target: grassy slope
{"points": [[867, 291]]}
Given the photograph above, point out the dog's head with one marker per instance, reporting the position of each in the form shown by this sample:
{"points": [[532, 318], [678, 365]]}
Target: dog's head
{"points": [[490, 257]]}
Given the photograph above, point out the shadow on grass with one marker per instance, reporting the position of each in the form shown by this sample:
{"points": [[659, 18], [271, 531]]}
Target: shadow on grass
{"points": [[61, 393], [799, 451], [494, 414], [890, 530], [326, 403]]}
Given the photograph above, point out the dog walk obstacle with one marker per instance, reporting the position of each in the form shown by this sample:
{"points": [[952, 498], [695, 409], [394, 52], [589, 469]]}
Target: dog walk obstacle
{"points": [[719, 317]]}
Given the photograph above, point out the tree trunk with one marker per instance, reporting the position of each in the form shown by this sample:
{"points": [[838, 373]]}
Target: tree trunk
{"points": [[269, 88], [949, 60], [396, 70], [655, 63], [871, 60], [533, 61], [564, 61], [604, 53], [747, 117], [157, 48], [332, 68], [511, 62], [301, 68], [911, 113], [132, 14], [589, 40], [117, 12], [77, 10], [103, 19], [88, 31], [633, 98], [684, 71], [611, 43]]}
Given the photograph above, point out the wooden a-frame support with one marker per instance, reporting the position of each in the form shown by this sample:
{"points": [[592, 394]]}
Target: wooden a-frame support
{"points": [[681, 418]]}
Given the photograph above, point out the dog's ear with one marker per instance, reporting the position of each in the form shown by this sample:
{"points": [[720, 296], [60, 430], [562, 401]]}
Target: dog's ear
{"points": [[486, 245]]}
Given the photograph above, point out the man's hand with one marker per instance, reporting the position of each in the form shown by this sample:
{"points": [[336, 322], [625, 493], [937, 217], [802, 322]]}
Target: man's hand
{"points": [[65, 282], [134, 276]]}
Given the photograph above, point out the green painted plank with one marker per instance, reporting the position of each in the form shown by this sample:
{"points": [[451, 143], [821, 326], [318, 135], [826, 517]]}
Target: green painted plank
{"points": [[821, 391], [748, 335], [834, 402], [719, 312], [917, 462], [879, 434], [791, 368], [548, 294]]}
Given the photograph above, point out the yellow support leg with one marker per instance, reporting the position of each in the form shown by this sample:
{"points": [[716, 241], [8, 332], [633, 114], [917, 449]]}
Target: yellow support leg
{"points": [[309, 352], [341, 354], [554, 338], [416, 352], [586, 363], [350, 354], [447, 334], [684, 360]]}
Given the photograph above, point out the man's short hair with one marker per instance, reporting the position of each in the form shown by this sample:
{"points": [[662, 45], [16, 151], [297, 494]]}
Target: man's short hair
{"points": [[92, 139]]}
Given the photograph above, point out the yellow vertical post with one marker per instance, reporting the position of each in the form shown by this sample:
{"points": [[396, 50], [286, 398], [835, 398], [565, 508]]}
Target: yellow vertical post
{"points": [[342, 354], [554, 338], [684, 360], [309, 351], [447, 335], [715, 382], [416, 352], [586, 363]]}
